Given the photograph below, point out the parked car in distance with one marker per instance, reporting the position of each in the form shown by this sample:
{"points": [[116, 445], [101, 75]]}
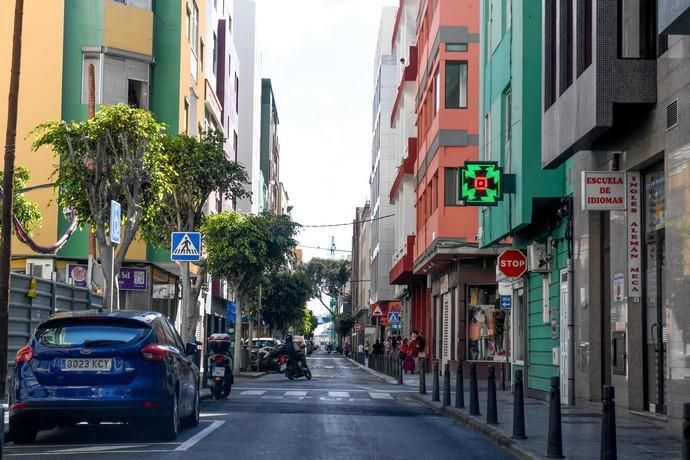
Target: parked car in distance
{"points": [[265, 342], [95, 366]]}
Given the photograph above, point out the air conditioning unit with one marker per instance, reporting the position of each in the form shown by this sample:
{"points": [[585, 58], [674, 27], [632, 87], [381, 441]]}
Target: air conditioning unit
{"points": [[538, 260], [40, 268]]}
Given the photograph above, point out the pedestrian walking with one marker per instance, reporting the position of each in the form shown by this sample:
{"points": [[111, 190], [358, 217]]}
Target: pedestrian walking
{"points": [[378, 347], [346, 349], [413, 351], [404, 349], [366, 349]]}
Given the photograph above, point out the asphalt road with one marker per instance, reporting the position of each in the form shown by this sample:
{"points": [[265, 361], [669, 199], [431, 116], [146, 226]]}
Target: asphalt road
{"points": [[343, 412]]}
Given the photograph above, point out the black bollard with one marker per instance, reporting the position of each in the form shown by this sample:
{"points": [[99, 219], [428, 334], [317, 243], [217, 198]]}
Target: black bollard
{"points": [[503, 376], [459, 388], [474, 391], [491, 410], [422, 376], [608, 425], [686, 431], [554, 447], [400, 372], [519, 408], [434, 386], [446, 385]]}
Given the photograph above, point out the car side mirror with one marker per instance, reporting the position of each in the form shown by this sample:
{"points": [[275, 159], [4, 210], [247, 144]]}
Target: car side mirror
{"points": [[190, 349]]}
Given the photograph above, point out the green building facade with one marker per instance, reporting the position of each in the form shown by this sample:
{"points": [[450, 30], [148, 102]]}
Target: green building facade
{"points": [[510, 134]]}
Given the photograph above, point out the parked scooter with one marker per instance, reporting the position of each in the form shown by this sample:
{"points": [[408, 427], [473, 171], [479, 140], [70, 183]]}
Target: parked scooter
{"points": [[219, 364]]}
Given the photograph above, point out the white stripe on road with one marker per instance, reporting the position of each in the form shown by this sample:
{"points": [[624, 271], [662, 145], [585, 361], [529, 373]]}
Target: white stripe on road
{"points": [[272, 397], [380, 395], [45, 454], [199, 436], [338, 394], [353, 390], [295, 393], [253, 392], [77, 450]]}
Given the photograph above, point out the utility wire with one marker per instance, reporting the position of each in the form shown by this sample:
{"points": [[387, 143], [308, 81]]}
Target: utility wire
{"points": [[323, 249], [347, 223]]}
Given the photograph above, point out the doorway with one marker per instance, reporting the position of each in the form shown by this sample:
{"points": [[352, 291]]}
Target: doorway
{"points": [[655, 290]]}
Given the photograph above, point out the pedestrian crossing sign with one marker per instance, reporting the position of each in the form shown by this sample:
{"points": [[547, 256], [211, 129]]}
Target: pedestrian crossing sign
{"points": [[394, 317], [185, 246]]}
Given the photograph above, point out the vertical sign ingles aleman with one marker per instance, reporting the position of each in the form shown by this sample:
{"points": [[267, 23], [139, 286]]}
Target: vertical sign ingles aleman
{"points": [[634, 237]]}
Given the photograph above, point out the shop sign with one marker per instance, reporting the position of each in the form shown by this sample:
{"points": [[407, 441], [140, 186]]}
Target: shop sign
{"points": [[634, 236], [77, 273], [506, 302], [132, 279], [603, 190], [481, 183]]}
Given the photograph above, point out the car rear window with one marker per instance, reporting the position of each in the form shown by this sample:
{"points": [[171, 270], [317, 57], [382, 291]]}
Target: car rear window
{"points": [[90, 333]]}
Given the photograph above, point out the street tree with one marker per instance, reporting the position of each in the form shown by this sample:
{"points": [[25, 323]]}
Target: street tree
{"points": [[242, 248], [117, 155], [284, 298], [329, 277], [306, 324], [27, 212], [197, 168], [344, 322]]}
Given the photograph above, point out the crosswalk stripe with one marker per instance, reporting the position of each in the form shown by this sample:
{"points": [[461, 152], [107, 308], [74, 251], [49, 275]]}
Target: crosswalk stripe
{"points": [[295, 393], [338, 394], [253, 392], [380, 395]]}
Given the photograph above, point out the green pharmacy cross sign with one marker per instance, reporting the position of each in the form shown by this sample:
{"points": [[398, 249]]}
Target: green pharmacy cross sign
{"points": [[481, 183]]}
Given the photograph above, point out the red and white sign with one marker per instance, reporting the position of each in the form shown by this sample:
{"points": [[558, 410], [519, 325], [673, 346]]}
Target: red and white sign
{"points": [[634, 237], [358, 327], [603, 190], [377, 311], [512, 263]]}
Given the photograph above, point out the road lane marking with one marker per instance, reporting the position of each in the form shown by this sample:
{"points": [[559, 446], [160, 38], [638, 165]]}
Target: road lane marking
{"points": [[351, 390], [380, 395], [253, 392], [272, 397], [199, 436], [295, 393], [77, 450], [339, 394], [46, 454]]}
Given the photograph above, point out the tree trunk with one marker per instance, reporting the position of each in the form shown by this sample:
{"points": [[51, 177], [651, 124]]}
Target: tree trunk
{"points": [[107, 262], [251, 336], [238, 333], [190, 298]]}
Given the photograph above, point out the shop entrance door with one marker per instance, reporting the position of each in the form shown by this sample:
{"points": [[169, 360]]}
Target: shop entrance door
{"points": [[655, 291]]}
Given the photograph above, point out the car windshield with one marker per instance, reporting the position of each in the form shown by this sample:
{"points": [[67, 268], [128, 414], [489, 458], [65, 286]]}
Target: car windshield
{"points": [[90, 333], [262, 343]]}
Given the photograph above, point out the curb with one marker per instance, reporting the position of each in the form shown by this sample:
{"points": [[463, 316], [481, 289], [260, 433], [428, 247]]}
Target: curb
{"points": [[383, 377], [492, 434]]}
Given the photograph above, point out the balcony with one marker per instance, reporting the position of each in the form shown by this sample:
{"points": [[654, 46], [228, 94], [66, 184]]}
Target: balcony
{"points": [[401, 272], [406, 167]]}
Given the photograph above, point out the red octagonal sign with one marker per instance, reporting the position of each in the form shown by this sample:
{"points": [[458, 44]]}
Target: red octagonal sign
{"points": [[512, 263]]}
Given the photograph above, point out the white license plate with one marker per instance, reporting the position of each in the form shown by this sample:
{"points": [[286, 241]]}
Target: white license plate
{"points": [[87, 364], [218, 372]]}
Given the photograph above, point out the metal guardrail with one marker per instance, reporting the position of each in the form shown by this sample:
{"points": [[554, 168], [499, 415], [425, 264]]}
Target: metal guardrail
{"points": [[27, 312]]}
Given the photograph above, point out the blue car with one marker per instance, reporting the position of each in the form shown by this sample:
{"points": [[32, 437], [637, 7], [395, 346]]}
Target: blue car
{"points": [[94, 366]]}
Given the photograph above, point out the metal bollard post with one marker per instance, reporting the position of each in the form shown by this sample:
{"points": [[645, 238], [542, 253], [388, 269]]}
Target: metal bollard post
{"points": [[422, 376], [459, 388], [434, 386], [2, 427], [491, 410], [608, 425], [400, 373], [503, 376], [519, 408], [446, 385], [474, 392], [554, 447], [686, 431]]}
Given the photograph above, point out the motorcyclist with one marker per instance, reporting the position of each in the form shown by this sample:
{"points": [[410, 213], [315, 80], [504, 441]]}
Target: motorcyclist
{"points": [[293, 350]]}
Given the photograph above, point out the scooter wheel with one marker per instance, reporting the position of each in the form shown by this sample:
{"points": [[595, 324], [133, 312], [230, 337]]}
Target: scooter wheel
{"points": [[217, 390]]}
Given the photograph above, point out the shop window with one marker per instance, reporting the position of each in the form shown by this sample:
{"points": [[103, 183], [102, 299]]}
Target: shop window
{"points": [[488, 326], [456, 85]]}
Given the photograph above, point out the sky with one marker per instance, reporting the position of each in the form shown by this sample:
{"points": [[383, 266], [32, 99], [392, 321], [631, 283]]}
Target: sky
{"points": [[319, 55]]}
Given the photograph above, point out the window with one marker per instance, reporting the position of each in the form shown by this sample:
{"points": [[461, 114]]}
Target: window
{"points": [[566, 45], [584, 32], [487, 136], [189, 23], [437, 91], [456, 47], [509, 14], [95, 60], [456, 85], [637, 29], [550, 19], [125, 80], [90, 333], [186, 115], [201, 54], [234, 143], [434, 192], [507, 126], [450, 187], [215, 54], [136, 94], [237, 94], [195, 27]]}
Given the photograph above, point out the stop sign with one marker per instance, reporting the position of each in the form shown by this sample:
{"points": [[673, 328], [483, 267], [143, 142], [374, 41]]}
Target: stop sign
{"points": [[512, 263]]}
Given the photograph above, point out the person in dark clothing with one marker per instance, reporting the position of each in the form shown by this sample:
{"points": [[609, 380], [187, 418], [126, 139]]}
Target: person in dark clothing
{"points": [[378, 347]]}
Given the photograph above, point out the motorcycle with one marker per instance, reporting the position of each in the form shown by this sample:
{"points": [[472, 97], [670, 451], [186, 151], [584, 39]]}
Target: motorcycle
{"points": [[219, 363], [292, 369]]}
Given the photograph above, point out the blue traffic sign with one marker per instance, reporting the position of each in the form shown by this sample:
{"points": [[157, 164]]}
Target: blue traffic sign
{"points": [[185, 246], [393, 317], [115, 222]]}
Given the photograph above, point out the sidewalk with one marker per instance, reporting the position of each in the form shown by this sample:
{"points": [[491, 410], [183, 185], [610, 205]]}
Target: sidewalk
{"points": [[581, 427]]}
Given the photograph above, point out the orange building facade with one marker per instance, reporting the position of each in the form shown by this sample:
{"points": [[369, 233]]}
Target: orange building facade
{"points": [[445, 270]]}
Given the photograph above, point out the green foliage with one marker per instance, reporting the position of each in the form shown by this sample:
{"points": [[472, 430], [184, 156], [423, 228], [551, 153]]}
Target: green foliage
{"points": [[27, 212], [197, 168], [117, 155], [284, 297], [241, 247], [344, 323], [329, 277], [307, 323]]}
